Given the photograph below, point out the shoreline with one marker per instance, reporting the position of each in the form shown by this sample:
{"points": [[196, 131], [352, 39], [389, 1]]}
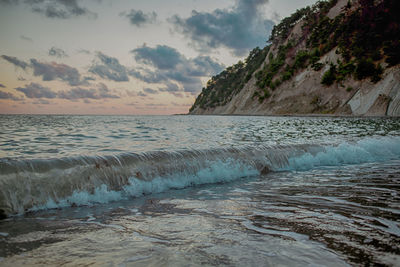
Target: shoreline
{"points": [[296, 115]]}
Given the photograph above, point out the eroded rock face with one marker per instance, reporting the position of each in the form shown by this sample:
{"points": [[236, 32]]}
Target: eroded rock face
{"points": [[303, 93]]}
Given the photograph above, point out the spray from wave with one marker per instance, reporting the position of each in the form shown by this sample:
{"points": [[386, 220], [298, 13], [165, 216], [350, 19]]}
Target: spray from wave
{"points": [[29, 185]]}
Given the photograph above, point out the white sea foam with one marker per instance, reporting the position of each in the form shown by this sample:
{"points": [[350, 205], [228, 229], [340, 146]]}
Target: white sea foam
{"points": [[94, 181], [363, 151], [220, 171]]}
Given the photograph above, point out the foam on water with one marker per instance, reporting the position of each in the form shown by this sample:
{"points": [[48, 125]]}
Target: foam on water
{"points": [[44, 184], [217, 172], [363, 151]]}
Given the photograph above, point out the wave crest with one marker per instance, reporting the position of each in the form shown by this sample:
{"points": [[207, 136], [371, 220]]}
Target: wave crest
{"points": [[41, 184]]}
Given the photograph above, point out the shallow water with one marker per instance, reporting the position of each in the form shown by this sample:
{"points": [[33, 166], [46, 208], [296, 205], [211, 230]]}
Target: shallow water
{"points": [[260, 191]]}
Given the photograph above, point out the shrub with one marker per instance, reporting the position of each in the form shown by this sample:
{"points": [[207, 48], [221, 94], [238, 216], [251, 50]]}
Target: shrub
{"points": [[376, 55], [344, 70], [377, 74], [365, 68], [315, 100], [329, 76], [392, 50], [248, 77], [286, 75], [300, 60], [317, 66]]}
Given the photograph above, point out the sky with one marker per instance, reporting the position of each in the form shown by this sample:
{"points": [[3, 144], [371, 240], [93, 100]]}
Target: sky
{"points": [[124, 56]]}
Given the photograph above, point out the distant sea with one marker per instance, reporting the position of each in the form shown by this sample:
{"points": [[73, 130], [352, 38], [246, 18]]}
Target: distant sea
{"points": [[199, 190]]}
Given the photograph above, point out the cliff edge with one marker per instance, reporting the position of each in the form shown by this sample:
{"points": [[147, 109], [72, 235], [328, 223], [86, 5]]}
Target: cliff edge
{"points": [[337, 57]]}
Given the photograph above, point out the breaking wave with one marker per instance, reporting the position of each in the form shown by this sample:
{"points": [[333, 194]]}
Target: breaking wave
{"points": [[29, 185]]}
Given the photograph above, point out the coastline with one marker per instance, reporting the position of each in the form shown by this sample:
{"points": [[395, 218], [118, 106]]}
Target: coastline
{"points": [[297, 115]]}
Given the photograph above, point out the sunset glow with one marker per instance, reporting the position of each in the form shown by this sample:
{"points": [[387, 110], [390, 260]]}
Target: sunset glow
{"points": [[123, 57]]}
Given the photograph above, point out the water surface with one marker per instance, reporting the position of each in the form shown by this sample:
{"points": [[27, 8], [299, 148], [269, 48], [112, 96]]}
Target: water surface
{"points": [[198, 190]]}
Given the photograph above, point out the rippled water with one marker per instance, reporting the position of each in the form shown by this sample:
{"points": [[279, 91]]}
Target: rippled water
{"points": [[225, 191], [27, 136]]}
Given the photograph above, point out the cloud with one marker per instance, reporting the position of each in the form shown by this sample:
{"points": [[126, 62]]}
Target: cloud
{"points": [[142, 94], [25, 38], [55, 9], [173, 69], [139, 18], [41, 102], [35, 90], [161, 57], [150, 91], [6, 95], [109, 68], [132, 103], [181, 104], [239, 29], [170, 87], [84, 51], [57, 52], [147, 75], [59, 9], [2, 85], [8, 2], [52, 71], [100, 92], [88, 78], [155, 105], [18, 63], [49, 71]]}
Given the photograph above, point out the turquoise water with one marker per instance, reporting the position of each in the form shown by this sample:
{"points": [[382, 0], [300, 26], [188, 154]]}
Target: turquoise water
{"points": [[199, 190]]}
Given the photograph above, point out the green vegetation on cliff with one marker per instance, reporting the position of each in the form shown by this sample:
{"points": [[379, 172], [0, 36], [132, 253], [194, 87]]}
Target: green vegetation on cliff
{"points": [[221, 88], [366, 34]]}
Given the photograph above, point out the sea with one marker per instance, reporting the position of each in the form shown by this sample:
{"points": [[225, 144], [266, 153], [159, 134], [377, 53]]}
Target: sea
{"points": [[199, 191]]}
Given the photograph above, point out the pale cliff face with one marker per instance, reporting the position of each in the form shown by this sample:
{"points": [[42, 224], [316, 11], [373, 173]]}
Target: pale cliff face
{"points": [[304, 94]]}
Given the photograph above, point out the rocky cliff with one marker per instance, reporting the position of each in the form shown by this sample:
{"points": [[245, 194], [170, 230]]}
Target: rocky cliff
{"points": [[337, 57]]}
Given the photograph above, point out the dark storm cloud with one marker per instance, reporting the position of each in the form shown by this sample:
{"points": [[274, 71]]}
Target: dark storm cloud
{"points": [[100, 92], [2, 85], [57, 52], [239, 29], [52, 71], [59, 9], [13, 60], [6, 95], [173, 69], [35, 90], [109, 68], [139, 18]]}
